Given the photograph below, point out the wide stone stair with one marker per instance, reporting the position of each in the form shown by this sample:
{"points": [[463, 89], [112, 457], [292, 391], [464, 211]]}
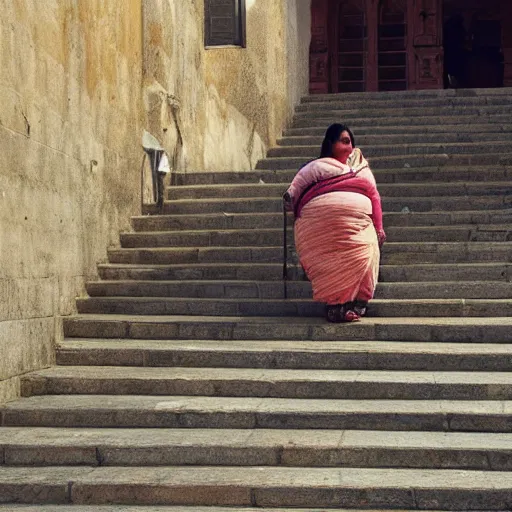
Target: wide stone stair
{"points": [[187, 382]]}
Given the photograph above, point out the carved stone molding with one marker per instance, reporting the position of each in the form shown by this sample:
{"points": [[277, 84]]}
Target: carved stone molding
{"points": [[428, 69], [427, 23]]}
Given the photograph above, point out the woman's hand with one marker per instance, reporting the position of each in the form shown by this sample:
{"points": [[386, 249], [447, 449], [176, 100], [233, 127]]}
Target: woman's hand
{"points": [[381, 237], [287, 201]]}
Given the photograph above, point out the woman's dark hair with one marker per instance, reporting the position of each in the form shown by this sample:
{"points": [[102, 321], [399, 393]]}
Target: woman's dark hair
{"points": [[332, 135]]}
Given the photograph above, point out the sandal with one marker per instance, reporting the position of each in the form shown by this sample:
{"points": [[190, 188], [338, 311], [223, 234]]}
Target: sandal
{"points": [[360, 307], [338, 313]]}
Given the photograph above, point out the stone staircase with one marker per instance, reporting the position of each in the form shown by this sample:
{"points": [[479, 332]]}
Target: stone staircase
{"points": [[187, 382]]}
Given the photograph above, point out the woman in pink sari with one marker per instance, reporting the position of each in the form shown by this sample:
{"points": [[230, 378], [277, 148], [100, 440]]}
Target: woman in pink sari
{"points": [[338, 226]]}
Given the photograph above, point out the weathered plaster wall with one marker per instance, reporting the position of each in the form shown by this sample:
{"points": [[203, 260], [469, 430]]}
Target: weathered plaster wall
{"points": [[298, 38], [221, 108], [79, 81], [70, 122]]}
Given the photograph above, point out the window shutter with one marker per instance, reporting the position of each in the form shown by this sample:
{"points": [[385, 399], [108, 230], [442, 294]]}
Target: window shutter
{"points": [[224, 22]]}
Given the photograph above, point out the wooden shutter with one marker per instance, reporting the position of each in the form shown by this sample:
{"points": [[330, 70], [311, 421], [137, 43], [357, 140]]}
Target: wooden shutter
{"points": [[225, 22]]}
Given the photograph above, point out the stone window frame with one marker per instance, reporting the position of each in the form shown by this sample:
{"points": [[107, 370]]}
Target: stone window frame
{"points": [[235, 39]]}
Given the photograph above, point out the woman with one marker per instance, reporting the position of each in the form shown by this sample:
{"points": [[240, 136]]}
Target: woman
{"points": [[338, 226]]}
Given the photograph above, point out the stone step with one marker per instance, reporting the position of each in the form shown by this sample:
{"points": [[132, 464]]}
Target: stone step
{"points": [[422, 119], [344, 110], [153, 508], [393, 253], [389, 162], [273, 237], [415, 150], [240, 289], [379, 139], [386, 190], [222, 221], [334, 355], [476, 126], [259, 487], [291, 307], [220, 447], [227, 206], [389, 112], [410, 95], [145, 411], [341, 103], [274, 272], [451, 174], [269, 383], [453, 329]]}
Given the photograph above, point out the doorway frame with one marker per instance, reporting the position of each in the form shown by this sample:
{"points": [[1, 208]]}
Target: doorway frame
{"points": [[424, 45]]}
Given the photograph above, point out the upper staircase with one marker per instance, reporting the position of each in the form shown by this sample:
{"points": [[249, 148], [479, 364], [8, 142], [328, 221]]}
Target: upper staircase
{"points": [[187, 379]]}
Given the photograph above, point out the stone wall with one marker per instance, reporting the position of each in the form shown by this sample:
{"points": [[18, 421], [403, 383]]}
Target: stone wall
{"points": [[79, 82], [298, 36], [221, 108], [70, 122]]}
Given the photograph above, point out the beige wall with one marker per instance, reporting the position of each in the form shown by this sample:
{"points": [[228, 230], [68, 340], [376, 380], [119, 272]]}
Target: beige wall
{"points": [[70, 119], [298, 36], [221, 108], [79, 82]]}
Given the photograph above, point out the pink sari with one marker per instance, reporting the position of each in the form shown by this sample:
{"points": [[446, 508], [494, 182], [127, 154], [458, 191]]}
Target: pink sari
{"points": [[335, 236]]}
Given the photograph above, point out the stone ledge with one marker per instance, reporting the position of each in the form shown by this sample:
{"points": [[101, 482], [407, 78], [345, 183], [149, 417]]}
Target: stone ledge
{"points": [[341, 355], [247, 413], [269, 383], [259, 486], [153, 508], [449, 329], [260, 447]]}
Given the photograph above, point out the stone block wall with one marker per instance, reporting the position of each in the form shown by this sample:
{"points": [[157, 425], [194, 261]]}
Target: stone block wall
{"points": [[219, 109], [70, 121], [79, 82]]}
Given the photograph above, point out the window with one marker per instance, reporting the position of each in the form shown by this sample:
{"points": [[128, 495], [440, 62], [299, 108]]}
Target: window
{"points": [[225, 23]]}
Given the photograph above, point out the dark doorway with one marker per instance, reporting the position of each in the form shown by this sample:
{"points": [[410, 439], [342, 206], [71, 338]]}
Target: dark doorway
{"points": [[455, 51], [472, 41], [485, 62]]}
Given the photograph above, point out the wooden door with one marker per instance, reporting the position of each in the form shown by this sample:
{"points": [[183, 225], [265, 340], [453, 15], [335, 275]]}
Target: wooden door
{"points": [[349, 41], [392, 45], [370, 45]]}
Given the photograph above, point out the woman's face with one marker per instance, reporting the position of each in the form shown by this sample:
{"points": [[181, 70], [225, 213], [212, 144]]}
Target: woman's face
{"points": [[342, 148]]}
